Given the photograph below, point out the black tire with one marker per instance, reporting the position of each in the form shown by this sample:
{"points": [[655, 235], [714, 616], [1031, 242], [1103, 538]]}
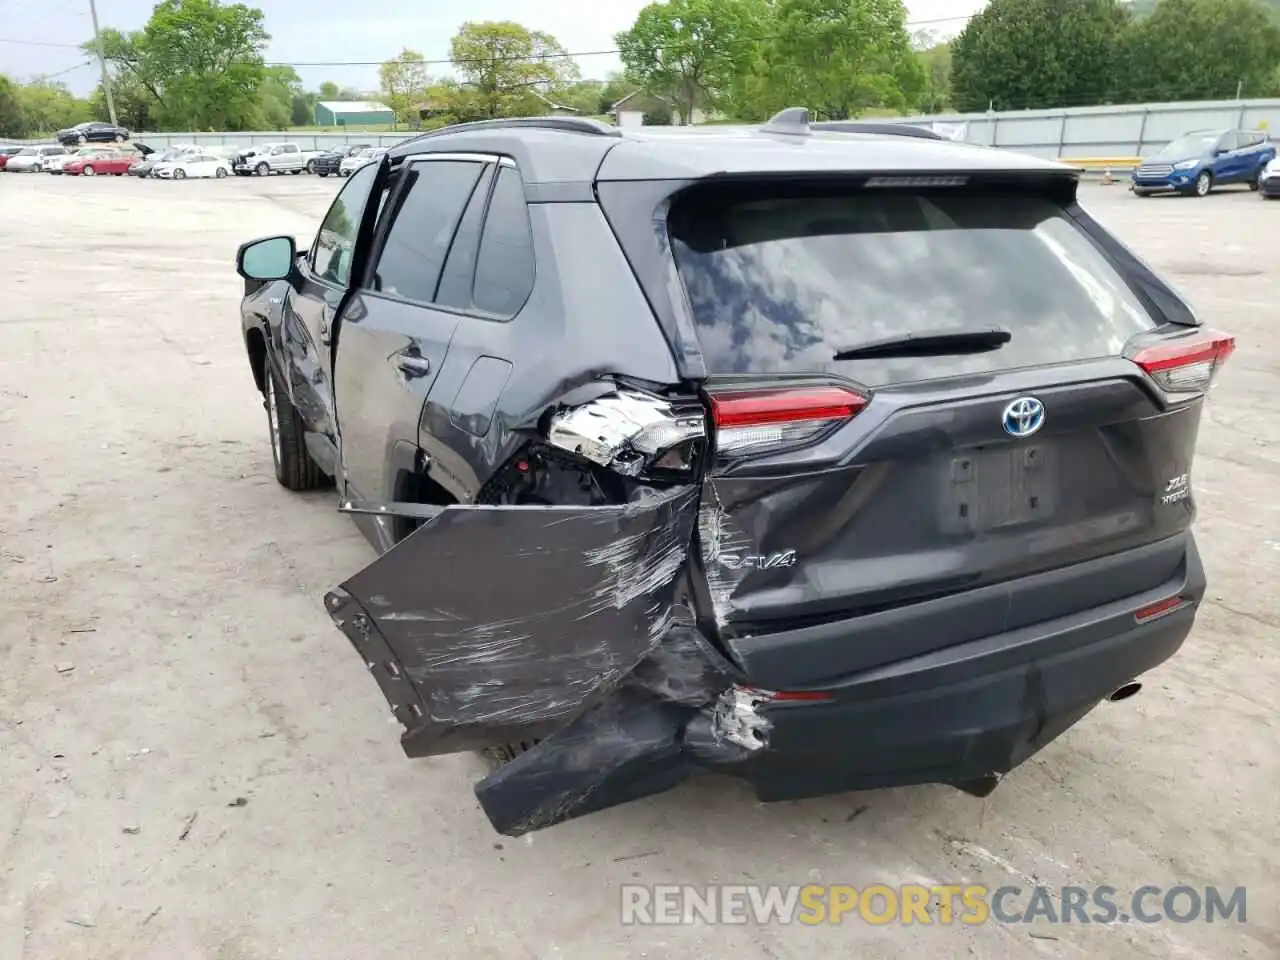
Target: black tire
{"points": [[323, 173], [262, 169], [295, 470], [1204, 183], [82, 139], [179, 174], [221, 173], [119, 138], [311, 166], [1256, 183]]}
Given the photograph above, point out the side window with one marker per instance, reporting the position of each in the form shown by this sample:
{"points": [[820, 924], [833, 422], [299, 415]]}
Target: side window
{"points": [[504, 265], [428, 206], [460, 268], [1229, 141], [336, 242]]}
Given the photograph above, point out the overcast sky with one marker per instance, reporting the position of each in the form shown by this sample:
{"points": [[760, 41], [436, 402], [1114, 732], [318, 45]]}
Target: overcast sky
{"points": [[333, 35]]}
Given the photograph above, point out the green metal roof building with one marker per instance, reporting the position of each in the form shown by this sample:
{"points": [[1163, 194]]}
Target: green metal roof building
{"points": [[352, 113]]}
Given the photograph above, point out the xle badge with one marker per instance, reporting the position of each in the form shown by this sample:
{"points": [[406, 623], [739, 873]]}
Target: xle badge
{"points": [[1179, 488]]}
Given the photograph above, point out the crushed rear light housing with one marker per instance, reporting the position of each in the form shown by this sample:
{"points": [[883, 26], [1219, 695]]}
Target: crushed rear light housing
{"points": [[1185, 367], [754, 422]]}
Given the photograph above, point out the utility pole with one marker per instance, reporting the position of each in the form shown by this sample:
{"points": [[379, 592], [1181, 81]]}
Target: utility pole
{"points": [[102, 62]]}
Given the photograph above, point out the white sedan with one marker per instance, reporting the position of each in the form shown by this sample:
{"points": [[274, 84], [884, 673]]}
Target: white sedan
{"points": [[350, 165], [192, 165]]}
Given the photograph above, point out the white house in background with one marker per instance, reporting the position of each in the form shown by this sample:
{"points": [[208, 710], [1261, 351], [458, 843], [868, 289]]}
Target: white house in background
{"points": [[631, 109]]}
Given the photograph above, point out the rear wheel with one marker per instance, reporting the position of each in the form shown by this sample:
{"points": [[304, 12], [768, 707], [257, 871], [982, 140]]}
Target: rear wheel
{"points": [[295, 470]]}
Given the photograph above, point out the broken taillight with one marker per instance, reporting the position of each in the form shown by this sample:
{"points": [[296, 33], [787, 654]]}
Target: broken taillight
{"points": [[755, 422], [1188, 364]]}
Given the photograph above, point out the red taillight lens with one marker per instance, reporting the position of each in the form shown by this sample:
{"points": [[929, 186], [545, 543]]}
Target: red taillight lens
{"points": [[754, 422], [1158, 609], [1186, 364]]}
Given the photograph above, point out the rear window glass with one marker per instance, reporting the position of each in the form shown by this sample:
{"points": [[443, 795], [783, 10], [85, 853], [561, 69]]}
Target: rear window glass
{"points": [[781, 283]]}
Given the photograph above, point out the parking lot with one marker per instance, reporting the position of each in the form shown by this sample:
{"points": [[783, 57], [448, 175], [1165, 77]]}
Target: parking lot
{"points": [[194, 764]]}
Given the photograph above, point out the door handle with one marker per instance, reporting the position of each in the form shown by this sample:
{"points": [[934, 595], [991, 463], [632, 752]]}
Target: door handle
{"points": [[413, 365], [326, 331]]}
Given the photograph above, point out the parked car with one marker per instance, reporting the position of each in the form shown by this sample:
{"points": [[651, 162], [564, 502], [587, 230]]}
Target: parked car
{"points": [[103, 161], [192, 165], [868, 467], [351, 164], [32, 159], [6, 152], [1199, 161], [144, 166], [92, 132], [1269, 182], [271, 158], [330, 160]]}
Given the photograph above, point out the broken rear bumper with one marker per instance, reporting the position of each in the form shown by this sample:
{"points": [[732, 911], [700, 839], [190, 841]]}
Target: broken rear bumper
{"points": [[626, 698], [964, 715]]}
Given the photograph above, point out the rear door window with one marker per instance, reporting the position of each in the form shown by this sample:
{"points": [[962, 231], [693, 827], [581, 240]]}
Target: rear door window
{"points": [[504, 265], [427, 208], [779, 282]]}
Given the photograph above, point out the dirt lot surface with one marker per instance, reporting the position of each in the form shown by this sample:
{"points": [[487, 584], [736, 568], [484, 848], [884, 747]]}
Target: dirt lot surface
{"points": [[194, 764]]}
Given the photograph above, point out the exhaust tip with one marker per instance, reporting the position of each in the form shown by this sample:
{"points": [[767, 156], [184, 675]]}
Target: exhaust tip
{"points": [[1124, 692]]}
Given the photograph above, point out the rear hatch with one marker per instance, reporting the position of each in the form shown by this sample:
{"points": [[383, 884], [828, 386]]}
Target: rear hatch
{"points": [[926, 399]]}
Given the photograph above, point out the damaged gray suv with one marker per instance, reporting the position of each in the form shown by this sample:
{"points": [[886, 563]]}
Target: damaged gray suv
{"points": [[829, 457]]}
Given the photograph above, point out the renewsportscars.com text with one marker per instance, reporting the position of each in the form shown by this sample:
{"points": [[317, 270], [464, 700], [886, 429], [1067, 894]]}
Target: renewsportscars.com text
{"points": [[814, 904]]}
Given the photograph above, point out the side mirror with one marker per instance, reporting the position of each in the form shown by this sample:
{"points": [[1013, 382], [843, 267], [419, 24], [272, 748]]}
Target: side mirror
{"points": [[268, 259]]}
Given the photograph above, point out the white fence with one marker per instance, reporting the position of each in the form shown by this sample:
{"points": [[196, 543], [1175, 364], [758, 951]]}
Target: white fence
{"points": [[1130, 130]]}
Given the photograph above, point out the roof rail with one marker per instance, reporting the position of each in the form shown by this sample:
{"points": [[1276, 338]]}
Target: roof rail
{"points": [[883, 127], [584, 125], [791, 122]]}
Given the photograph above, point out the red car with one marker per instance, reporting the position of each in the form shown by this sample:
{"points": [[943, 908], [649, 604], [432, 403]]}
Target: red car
{"points": [[104, 162], [6, 153]]}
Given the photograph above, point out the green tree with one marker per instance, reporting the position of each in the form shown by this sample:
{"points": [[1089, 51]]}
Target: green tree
{"points": [[13, 122], [1203, 50], [48, 106], [584, 96], [200, 59], [693, 52], [280, 86], [1023, 54], [404, 84], [838, 57], [935, 59], [329, 90], [499, 62], [133, 102]]}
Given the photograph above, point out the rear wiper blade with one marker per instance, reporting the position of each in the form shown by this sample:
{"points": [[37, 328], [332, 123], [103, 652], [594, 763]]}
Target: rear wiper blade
{"points": [[939, 343]]}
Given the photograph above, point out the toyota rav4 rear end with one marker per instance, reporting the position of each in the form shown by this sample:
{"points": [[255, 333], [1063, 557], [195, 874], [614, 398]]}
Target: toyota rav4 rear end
{"points": [[931, 503]]}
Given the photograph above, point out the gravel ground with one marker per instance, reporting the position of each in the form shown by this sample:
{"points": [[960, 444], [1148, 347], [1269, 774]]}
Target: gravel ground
{"points": [[193, 763]]}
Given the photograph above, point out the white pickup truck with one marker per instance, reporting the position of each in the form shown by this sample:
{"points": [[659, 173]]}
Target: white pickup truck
{"points": [[272, 158]]}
